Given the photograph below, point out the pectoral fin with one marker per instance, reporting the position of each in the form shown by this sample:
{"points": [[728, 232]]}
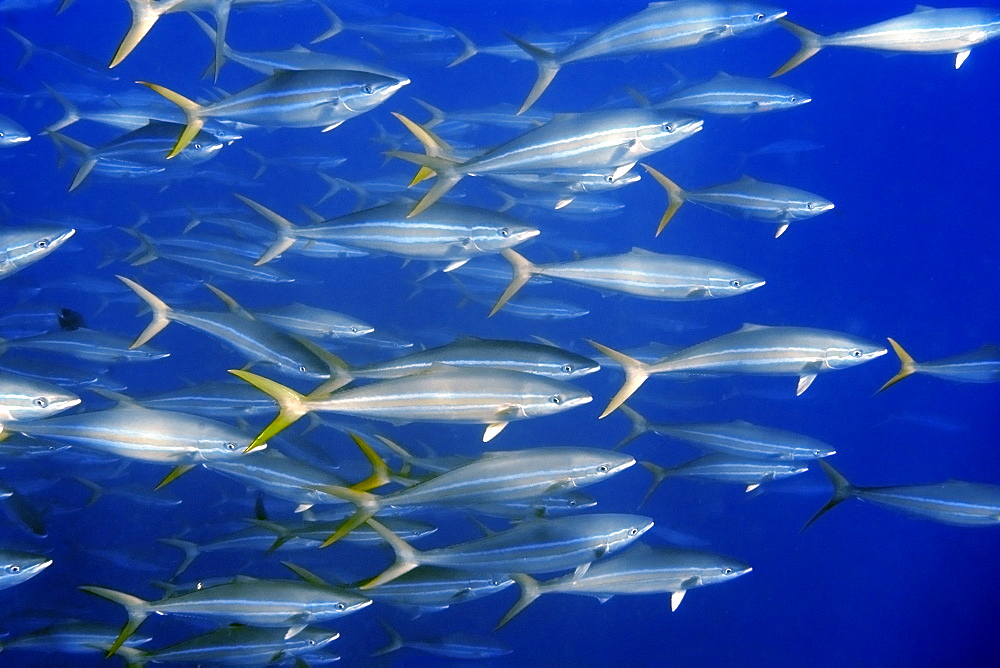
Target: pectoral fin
{"points": [[492, 430], [676, 598], [960, 57], [805, 380]]}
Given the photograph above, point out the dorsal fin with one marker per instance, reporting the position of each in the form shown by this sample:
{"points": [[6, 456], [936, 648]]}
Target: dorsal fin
{"points": [[749, 327], [923, 8], [230, 303], [120, 399], [723, 75], [641, 251]]}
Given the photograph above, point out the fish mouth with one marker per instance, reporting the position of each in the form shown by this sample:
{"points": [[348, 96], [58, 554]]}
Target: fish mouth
{"points": [[753, 285], [877, 353], [577, 401]]}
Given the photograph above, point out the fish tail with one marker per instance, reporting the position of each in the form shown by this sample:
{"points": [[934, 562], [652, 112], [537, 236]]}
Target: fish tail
{"points": [[810, 45], [191, 552], [907, 366], [407, 557], [548, 66], [161, 312], [523, 271], [292, 405], [134, 657], [219, 60], [395, 640], [675, 196], [636, 373], [86, 153], [26, 44], [282, 533], [145, 13], [842, 490], [660, 474], [70, 113], [433, 145], [447, 171], [468, 48], [640, 426], [192, 114], [530, 590], [336, 25], [136, 608], [285, 230], [341, 373], [221, 25], [380, 471], [145, 252]]}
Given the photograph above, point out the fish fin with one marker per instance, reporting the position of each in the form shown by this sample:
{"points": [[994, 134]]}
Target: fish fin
{"points": [[161, 312], [380, 472], [640, 426], [468, 48], [446, 169], [191, 552], [70, 113], [805, 380], [781, 230], [810, 45], [565, 201], [548, 66], [675, 196], [145, 13], [292, 405], [136, 609], [961, 57], [907, 366], [752, 487], [86, 153], [174, 474], [676, 598], [522, 269], [492, 430], [395, 640], [698, 293], [636, 373], [350, 524], [638, 97], [285, 230], [922, 8], [295, 630], [221, 24], [336, 25], [233, 306], [407, 557], [192, 114], [26, 44], [433, 144], [530, 590], [581, 570], [305, 574], [660, 474], [842, 490], [455, 265]]}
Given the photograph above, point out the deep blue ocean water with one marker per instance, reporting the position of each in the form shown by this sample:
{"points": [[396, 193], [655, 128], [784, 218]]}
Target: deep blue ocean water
{"points": [[904, 146]]}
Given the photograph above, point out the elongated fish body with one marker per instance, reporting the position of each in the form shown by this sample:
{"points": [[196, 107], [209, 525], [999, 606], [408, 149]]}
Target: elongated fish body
{"points": [[213, 400], [236, 645], [461, 646], [755, 199], [314, 323], [540, 546], [72, 638], [727, 95], [557, 505], [282, 477], [434, 588], [11, 132], [638, 570], [133, 432], [743, 439], [25, 245], [27, 399], [88, 345], [977, 366], [954, 502], [567, 183], [17, 567], [925, 30], [725, 468], [467, 351]]}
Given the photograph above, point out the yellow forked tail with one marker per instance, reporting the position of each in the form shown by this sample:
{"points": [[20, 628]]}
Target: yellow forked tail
{"points": [[291, 404], [907, 366]]}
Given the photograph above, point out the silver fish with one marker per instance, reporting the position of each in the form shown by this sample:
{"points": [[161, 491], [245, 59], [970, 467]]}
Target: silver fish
{"points": [[18, 567], [727, 95], [978, 366], [25, 399], [26, 245]]}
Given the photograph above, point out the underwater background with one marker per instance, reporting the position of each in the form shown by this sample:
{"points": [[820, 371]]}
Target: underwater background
{"points": [[905, 147]]}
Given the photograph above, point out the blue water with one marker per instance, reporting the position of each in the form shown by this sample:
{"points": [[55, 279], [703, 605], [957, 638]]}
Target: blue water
{"points": [[906, 148]]}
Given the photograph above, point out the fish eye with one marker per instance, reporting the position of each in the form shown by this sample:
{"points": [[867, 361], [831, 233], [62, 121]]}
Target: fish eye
{"points": [[367, 89], [735, 283], [230, 446], [633, 532], [758, 17], [340, 606], [572, 503], [197, 146], [504, 232], [856, 352], [603, 468], [555, 399], [810, 206], [41, 402], [496, 583], [610, 178], [567, 368], [793, 99], [816, 453], [354, 330], [42, 243], [668, 127], [302, 369], [727, 571], [13, 568], [311, 641]]}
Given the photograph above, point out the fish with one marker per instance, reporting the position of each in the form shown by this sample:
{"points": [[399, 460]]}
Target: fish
{"points": [[978, 366], [461, 646], [441, 394], [11, 132], [71, 637], [296, 99], [662, 26], [737, 438], [728, 95], [753, 349], [285, 604], [432, 588], [640, 569], [725, 468], [86, 344], [954, 502], [24, 399], [639, 272], [317, 324], [539, 546], [19, 567], [591, 140], [747, 197], [24, 245], [925, 30]]}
